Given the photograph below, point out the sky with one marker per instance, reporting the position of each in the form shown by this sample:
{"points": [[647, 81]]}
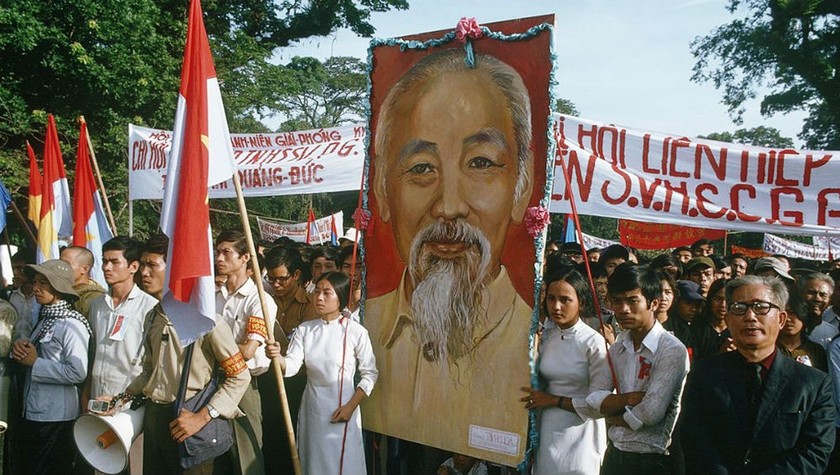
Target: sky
{"points": [[626, 62]]}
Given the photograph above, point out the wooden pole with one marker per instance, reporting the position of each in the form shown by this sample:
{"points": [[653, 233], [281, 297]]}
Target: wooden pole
{"points": [[24, 222], [111, 221], [278, 372], [726, 244]]}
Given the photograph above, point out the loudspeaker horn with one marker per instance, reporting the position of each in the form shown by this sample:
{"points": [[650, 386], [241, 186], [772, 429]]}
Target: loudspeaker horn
{"points": [[104, 441]]}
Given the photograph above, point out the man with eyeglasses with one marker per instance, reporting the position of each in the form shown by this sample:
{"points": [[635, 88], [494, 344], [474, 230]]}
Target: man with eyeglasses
{"points": [[283, 267], [755, 410]]}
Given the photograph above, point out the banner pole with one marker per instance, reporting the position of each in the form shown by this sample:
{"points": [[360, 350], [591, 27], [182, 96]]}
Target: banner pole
{"points": [[726, 243], [24, 222], [131, 216], [598, 310], [111, 221], [278, 372]]}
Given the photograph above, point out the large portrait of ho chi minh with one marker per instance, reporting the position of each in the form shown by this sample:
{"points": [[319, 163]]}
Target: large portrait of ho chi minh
{"points": [[458, 153]]}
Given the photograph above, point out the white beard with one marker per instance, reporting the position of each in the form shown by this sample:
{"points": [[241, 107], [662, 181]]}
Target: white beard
{"points": [[447, 297]]}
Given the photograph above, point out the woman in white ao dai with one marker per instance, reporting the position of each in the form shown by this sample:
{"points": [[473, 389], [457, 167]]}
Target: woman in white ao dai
{"points": [[329, 432], [572, 364]]}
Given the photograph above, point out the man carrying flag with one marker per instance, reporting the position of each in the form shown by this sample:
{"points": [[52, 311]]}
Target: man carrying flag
{"points": [[201, 157]]}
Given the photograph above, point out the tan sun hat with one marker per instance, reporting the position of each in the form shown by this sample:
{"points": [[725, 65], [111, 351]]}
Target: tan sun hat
{"points": [[58, 273]]}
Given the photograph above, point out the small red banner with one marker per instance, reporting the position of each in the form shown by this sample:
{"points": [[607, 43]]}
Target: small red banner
{"points": [[662, 236]]}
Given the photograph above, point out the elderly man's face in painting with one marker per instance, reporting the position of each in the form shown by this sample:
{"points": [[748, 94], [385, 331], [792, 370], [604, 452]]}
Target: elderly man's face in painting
{"points": [[452, 174], [452, 158]]}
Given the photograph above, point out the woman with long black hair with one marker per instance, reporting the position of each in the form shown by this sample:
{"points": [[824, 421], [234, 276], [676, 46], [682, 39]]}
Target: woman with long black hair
{"points": [[332, 348], [572, 364]]}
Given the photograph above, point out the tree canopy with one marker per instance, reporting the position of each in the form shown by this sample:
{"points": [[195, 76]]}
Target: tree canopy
{"points": [[787, 47], [758, 136], [118, 61]]}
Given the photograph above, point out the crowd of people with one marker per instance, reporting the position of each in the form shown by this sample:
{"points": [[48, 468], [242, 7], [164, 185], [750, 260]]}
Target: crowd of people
{"points": [[714, 365], [74, 345], [684, 362]]}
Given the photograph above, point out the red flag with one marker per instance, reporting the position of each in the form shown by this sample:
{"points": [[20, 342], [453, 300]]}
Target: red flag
{"points": [[62, 216], [48, 218], [90, 228], [201, 157], [36, 188]]}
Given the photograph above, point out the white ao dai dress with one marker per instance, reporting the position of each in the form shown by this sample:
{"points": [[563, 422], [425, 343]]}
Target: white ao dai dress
{"points": [[318, 344], [573, 363]]}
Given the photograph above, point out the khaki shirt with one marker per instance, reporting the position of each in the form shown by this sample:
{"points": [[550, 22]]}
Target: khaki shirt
{"points": [[293, 311], [87, 293], [164, 359]]}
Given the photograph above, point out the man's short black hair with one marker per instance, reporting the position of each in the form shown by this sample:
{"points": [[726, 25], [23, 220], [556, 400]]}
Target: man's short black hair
{"points": [[598, 270], [24, 254], [731, 258], [283, 256], [628, 277], [615, 251], [678, 250], [157, 244], [700, 242], [327, 252], [131, 248]]}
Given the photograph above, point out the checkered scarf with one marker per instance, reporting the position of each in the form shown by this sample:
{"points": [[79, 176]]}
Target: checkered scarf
{"points": [[51, 313]]}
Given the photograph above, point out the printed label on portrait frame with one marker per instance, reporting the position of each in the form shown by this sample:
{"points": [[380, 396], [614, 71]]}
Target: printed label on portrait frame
{"points": [[494, 440]]}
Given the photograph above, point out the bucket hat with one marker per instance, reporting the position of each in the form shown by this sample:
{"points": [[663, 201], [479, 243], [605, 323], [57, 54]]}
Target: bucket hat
{"points": [[58, 273]]}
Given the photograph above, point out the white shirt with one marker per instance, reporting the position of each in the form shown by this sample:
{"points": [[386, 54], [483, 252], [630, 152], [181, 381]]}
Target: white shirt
{"points": [[827, 329], [119, 340], [658, 368], [242, 312], [27, 309]]}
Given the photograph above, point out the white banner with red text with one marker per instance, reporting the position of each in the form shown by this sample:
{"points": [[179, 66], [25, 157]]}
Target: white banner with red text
{"points": [[651, 177], [272, 230], [290, 163], [786, 247]]}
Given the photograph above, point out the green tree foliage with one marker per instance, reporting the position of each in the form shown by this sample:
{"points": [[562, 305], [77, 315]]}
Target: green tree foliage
{"points": [[789, 47], [323, 94], [758, 136], [118, 61], [565, 106]]}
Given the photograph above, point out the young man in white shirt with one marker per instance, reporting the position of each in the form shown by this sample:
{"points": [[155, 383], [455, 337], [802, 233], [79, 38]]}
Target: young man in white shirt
{"points": [[238, 306], [650, 367], [117, 320]]}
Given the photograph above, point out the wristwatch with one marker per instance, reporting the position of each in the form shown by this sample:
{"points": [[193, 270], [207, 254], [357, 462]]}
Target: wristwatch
{"points": [[213, 412]]}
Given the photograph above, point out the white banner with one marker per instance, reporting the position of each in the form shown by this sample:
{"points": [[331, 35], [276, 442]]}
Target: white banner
{"points": [[646, 176], [272, 230], [776, 245], [590, 241], [291, 163], [829, 244]]}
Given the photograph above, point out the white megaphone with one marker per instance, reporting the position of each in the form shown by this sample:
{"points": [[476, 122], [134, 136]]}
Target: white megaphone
{"points": [[104, 441]]}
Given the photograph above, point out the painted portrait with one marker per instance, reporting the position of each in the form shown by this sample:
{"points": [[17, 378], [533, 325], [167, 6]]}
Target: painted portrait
{"points": [[458, 153]]}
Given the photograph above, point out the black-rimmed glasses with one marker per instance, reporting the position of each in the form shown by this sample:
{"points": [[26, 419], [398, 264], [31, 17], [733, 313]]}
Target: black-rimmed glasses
{"points": [[758, 307], [279, 279]]}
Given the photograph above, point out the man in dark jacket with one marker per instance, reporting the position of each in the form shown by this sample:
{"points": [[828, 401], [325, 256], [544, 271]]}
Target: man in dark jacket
{"points": [[755, 410]]}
